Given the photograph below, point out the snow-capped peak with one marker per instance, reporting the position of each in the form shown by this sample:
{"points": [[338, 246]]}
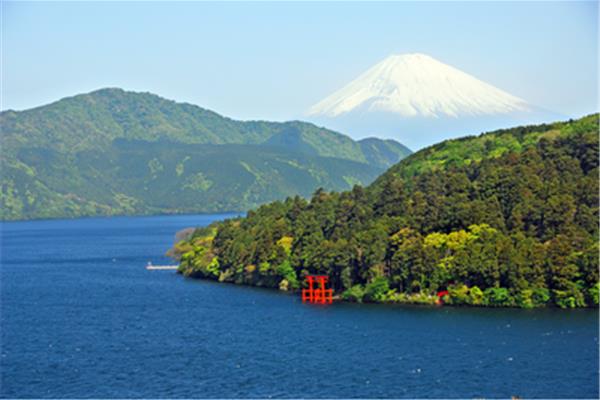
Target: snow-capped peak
{"points": [[418, 85]]}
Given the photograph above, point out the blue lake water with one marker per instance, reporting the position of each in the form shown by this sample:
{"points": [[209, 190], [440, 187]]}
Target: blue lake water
{"points": [[82, 317]]}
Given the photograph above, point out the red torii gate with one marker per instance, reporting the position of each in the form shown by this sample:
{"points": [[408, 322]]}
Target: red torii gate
{"points": [[320, 294], [440, 296]]}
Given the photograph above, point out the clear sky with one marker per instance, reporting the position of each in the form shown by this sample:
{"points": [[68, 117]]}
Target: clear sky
{"points": [[274, 60]]}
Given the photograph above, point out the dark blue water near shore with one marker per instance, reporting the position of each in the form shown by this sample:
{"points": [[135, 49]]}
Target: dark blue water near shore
{"points": [[81, 317]]}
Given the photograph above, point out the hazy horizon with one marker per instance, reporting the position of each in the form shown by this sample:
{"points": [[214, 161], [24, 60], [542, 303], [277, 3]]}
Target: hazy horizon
{"points": [[273, 61]]}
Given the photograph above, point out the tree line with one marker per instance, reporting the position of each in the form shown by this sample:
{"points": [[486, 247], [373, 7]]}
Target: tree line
{"points": [[512, 228]]}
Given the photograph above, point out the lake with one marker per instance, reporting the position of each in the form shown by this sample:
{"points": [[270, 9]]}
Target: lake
{"points": [[82, 317]]}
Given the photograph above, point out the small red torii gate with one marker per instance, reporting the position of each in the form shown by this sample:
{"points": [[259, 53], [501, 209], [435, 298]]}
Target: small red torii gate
{"points": [[440, 296], [319, 294]]}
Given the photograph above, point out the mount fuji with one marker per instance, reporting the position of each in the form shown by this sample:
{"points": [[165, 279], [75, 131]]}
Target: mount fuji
{"points": [[419, 101]]}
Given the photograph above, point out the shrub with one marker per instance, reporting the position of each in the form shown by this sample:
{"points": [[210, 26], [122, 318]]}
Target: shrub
{"points": [[524, 298], [458, 294], [263, 268], [569, 298], [287, 272], [355, 293], [475, 296], [376, 290], [213, 267], [497, 297], [421, 298], [540, 296]]}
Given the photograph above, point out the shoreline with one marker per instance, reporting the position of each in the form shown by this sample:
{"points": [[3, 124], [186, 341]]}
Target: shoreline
{"points": [[337, 298]]}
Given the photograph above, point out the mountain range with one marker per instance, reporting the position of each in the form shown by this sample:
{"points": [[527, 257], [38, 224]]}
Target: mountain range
{"points": [[420, 101], [114, 152]]}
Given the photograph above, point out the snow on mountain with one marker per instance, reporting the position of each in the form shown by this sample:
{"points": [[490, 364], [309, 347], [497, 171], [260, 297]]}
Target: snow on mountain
{"points": [[419, 101], [418, 85]]}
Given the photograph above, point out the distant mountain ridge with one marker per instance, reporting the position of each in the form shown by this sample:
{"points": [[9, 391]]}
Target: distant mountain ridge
{"points": [[416, 98], [97, 154]]}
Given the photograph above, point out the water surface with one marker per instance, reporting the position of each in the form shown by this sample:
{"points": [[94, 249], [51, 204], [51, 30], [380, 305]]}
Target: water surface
{"points": [[81, 317]]}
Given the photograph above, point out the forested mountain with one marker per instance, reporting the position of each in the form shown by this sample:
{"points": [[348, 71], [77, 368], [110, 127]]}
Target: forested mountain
{"points": [[383, 153], [508, 218], [117, 152]]}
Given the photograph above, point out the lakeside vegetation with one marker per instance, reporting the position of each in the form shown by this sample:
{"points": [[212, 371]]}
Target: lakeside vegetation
{"points": [[113, 152], [508, 218]]}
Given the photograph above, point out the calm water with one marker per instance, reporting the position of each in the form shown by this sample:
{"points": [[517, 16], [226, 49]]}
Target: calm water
{"points": [[81, 317]]}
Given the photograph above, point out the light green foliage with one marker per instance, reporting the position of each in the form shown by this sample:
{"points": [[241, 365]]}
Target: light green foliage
{"points": [[197, 182], [288, 273], [264, 268], [213, 267], [180, 167], [459, 294], [476, 296], [497, 297], [355, 294], [540, 296], [377, 290], [524, 298], [515, 226], [490, 145], [570, 298], [420, 298], [286, 244]]}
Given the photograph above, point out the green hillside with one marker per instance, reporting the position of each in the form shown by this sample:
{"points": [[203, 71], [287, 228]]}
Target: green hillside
{"points": [[466, 150], [509, 218], [117, 152], [383, 153]]}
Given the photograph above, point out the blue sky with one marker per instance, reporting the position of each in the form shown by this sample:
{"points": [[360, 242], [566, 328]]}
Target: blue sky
{"points": [[274, 60]]}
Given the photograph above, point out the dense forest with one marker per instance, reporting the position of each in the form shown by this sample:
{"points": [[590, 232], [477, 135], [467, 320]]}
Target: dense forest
{"points": [[115, 152], [507, 218]]}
